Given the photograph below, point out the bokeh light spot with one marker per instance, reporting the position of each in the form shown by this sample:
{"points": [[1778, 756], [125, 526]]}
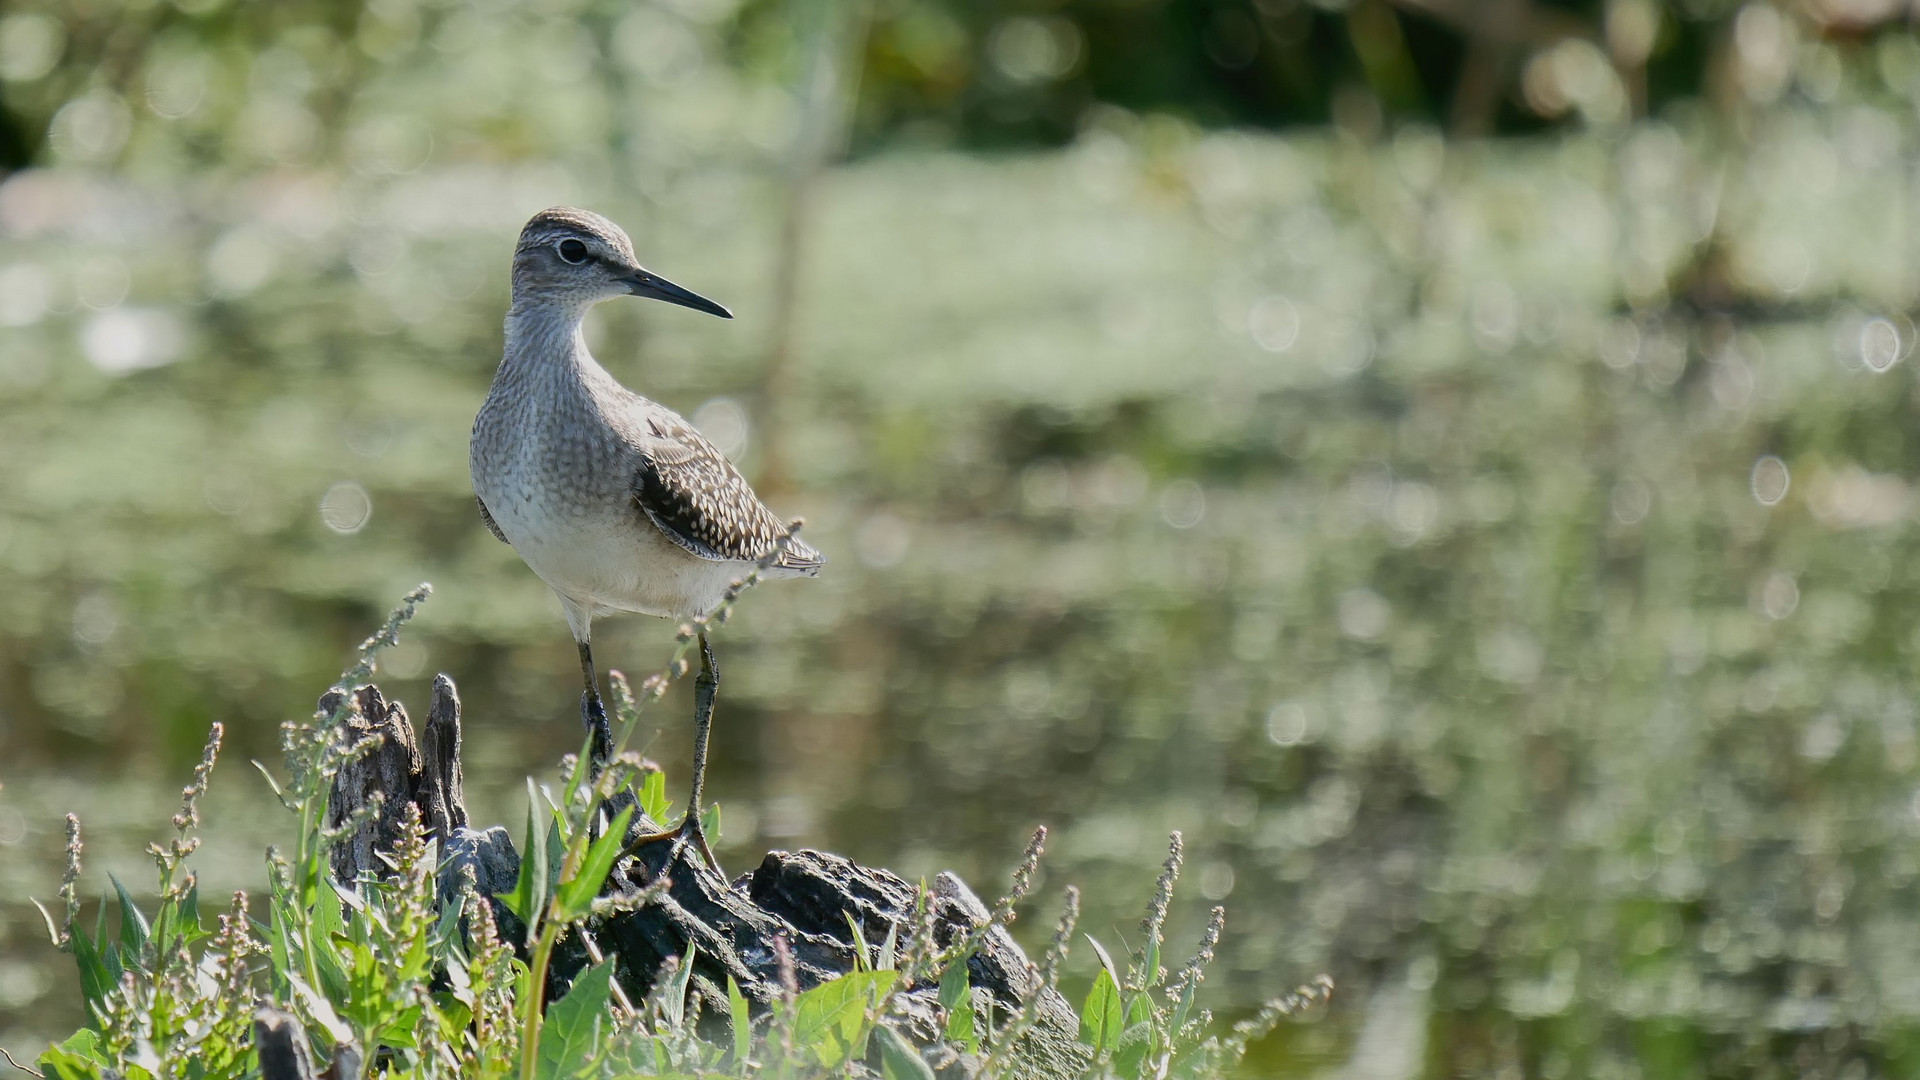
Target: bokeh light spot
{"points": [[346, 508], [726, 425], [1769, 480], [1879, 344]]}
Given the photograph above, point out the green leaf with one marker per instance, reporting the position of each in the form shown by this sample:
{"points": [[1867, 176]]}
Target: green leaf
{"points": [[529, 891], [1130, 1052], [580, 775], [653, 796], [135, 932], [107, 948], [1106, 960], [1139, 1009], [556, 853], [1101, 1018], [273, 785], [742, 1025], [320, 1010], [402, 1031], [100, 922], [329, 927], [96, 982], [180, 920], [956, 996], [279, 937], [576, 895], [710, 822], [898, 1059], [53, 928], [830, 1020], [455, 1015], [642, 1055], [673, 995], [81, 1057], [574, 1024], [188, 914], [57, 1064], [862, 956]]}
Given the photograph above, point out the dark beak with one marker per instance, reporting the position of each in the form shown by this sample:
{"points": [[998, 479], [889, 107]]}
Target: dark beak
{"points": [[655, 287]]}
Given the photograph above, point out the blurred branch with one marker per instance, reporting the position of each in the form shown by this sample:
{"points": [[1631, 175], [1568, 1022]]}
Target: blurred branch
{"points": [[830, 87]]}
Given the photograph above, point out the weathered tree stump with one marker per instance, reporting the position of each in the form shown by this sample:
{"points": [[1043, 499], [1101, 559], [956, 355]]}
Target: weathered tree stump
{"points": [[804, 899], [393, 773]]}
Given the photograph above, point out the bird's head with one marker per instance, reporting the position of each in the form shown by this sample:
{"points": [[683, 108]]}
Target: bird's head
{"points": [[578, 258]]}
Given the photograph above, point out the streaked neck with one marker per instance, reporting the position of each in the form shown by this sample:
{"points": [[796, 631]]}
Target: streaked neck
{"points": [[544, 340]]}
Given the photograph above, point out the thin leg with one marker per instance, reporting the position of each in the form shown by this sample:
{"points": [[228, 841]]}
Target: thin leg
{"points": [[593, 713], [705, 686]]}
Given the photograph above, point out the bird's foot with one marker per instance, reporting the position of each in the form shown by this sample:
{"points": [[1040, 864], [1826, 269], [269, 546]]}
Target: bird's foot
{"points": [[593, 714], [689, 829]]}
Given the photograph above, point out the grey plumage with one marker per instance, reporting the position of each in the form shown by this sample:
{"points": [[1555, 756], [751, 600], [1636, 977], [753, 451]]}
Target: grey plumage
{"points": [[614, 500]]}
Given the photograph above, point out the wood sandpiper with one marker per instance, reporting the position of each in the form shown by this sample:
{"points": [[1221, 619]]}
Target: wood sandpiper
{"points": [[615, 501]]}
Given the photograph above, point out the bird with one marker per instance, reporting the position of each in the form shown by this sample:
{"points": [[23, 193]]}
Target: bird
{"points": [[614, 500]]}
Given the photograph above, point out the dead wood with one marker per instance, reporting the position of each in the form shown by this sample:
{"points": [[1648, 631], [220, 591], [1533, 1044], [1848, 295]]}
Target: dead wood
{"points": [[802, 900]]}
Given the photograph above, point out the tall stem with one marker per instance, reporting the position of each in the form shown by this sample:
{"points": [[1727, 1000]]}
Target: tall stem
{"points": [[531, 1013]]}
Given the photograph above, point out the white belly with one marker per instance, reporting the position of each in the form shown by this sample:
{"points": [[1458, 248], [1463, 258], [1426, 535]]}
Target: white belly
{"points": [[606, 559], [602, 563]]}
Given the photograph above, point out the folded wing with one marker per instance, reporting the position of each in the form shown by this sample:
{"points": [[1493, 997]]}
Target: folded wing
{"points": [[693, 494]]}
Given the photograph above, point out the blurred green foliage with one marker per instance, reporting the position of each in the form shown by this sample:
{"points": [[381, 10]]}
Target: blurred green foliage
{"points": [[1493, 554]]}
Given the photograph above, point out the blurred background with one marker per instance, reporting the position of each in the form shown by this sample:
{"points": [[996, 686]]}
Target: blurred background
{"points": [[1454, 459]]}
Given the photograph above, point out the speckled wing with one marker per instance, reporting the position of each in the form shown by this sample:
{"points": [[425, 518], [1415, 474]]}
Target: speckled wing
{"points": [[689, 489]]}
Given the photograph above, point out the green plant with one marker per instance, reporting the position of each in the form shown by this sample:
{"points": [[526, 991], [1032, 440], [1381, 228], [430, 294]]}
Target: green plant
{"points": [[385, 981]]}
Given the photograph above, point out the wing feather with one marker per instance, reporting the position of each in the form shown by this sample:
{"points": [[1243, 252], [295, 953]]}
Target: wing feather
{"points": [[693, 494], [486, 519]]}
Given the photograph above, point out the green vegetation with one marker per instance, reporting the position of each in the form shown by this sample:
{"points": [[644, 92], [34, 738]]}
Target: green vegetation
{"points": [[1498, 558], [382, 978]]}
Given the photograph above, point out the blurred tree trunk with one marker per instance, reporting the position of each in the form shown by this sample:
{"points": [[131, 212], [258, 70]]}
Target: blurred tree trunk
{"points": [[835, 34]]}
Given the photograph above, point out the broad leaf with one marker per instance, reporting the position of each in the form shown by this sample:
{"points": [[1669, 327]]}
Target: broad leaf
{"points": [[1130, 1052], [96, 981], [576, 896], [134, 930], [180, 920], [320, 1010], [956, 996], [1101, 1018], [402, 1031], [653, 796], [529, 893], [79, 1058], [830, 1020], [574, 1025], [329, 928]]}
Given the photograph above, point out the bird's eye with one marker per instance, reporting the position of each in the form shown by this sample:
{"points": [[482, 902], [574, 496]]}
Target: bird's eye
{"points": [[572, 251]]}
